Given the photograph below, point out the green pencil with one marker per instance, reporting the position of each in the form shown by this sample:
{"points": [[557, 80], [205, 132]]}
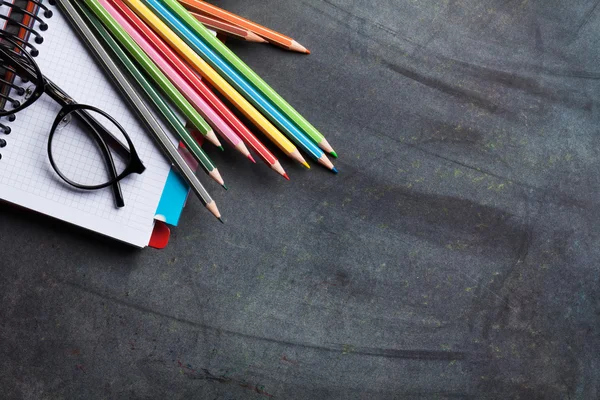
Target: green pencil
{"points": [[153, 71], [250, 75], [156, 98]]}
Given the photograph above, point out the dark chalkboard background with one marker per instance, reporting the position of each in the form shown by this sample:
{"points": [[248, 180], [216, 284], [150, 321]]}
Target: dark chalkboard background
{"points": [[455, 255]]}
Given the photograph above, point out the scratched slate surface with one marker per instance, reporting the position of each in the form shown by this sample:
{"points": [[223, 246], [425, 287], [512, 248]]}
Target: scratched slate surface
{"points": [[454, 257]]}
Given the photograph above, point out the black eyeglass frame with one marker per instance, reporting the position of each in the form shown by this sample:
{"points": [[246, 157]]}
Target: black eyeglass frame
{"points": [[134, 164], [24, 63]]}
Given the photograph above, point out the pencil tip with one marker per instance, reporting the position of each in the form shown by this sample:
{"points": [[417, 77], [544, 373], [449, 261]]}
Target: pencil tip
{"points": [[306, 165], [225, 187], [251, 158], [211, 137], [286, 176], [295, 46], [221, 219], [333, 154], [334, 169], [221, 148]]}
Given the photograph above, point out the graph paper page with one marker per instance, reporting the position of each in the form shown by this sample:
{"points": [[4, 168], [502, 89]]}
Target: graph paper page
{"points": [[4, 11], [26, 177]]}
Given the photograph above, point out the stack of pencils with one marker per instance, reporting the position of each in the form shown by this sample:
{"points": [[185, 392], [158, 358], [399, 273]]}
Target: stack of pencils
{"points": [[166, 47]]}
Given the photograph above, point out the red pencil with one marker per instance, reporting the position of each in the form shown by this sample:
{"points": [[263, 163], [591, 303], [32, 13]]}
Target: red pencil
{"points": [[200, 87]]}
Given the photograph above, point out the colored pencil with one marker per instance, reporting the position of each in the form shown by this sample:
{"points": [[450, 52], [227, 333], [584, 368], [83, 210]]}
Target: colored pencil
{"points": [[216, 80], [152, 70], [269, 34], [201, 88], [237, 81], [134, 98], [159, 102], [228, 29], [190, 94], [249, 74]]}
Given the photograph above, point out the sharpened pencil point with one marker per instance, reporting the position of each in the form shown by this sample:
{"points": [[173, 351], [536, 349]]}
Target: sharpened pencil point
{"points": [[334, 169], [251, 158], [216, 176], [221, 219], [286, 176], [221, 148], [295, 46], [278, 168], [225, 186], [326, 147], [211, 137], [306, 165]]}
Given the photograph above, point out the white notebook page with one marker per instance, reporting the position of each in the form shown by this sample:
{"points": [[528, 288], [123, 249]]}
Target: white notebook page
{"points": [[3, 11], [26, 177]]}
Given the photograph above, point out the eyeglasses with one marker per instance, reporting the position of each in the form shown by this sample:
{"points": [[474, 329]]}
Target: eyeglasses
{"points": [[87, 148]]}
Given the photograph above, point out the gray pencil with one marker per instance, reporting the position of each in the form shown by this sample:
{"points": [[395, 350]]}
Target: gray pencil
{"points": [[160, 136]]}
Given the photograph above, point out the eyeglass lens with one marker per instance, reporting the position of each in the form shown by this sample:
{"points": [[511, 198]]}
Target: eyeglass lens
{"points": [[80, 144]]}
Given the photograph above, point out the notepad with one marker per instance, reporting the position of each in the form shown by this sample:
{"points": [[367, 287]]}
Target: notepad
{"points": [[26, 177]]}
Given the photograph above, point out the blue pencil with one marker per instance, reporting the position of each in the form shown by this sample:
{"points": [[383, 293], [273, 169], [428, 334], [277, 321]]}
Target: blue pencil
{"points": [[239, 83]]}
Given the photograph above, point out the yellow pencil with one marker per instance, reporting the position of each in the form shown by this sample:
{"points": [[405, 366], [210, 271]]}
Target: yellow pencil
{"points": [[216, 80]]}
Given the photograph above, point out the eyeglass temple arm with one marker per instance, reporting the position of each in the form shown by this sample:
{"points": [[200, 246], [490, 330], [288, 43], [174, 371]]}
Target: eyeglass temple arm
{"points": [[110, 164]]}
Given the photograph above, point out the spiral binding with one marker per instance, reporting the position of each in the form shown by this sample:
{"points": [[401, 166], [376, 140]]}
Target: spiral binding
{"points": [[19, 10]]}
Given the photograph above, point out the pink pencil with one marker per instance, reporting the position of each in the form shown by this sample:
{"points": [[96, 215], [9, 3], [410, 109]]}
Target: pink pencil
{"points": [[184, 87]]}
